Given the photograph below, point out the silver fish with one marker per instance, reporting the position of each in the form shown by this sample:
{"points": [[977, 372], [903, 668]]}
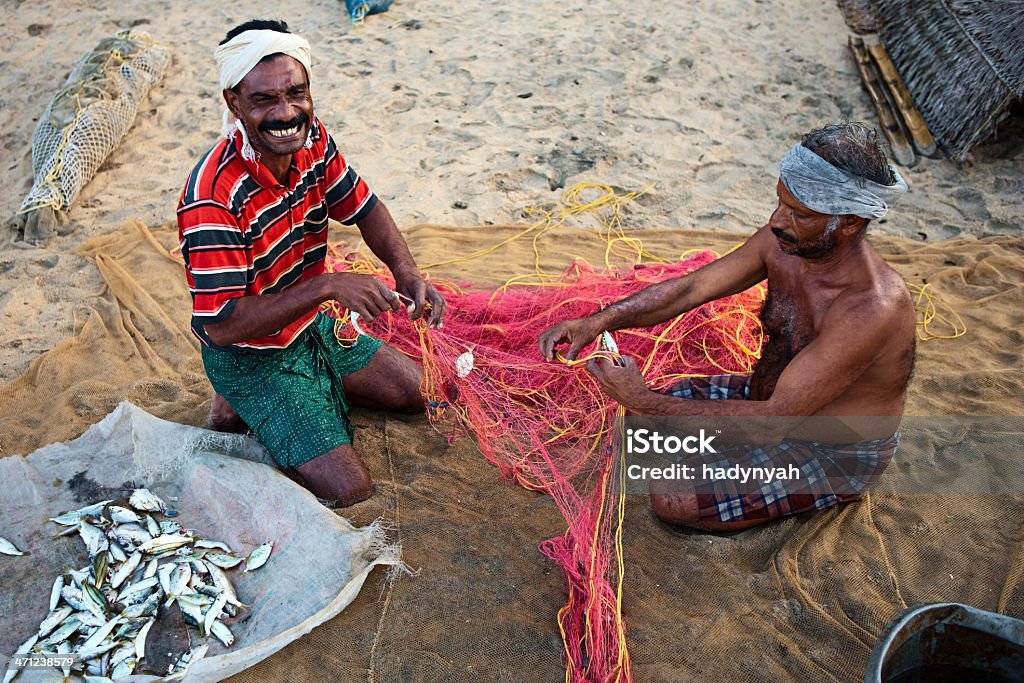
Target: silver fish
{"points": [[257, 558], [79, 575], [169, 526], [71, 518], [121, 654], [224, 561], [69, 531], [204, 543], [130, 534], [65, 649], [124, 668], [23, 649], [186, 554], [140, 640], [151, 568], [164, 573], [145, 500], [64, 632], [152, 526], [162, 544], [221, 581], [8, 548], [143, 585], [98, 651], [191, 609], [96, 638], [54, 619], [207, 589], [126, 569], [94, 539], [58, 586], [128, 629], [94, 600], [214, 612], [220, 630], [94, 509], [120, 515], [117, 552], [89, 619], [74, 597], [144, 609], [180, 576]]}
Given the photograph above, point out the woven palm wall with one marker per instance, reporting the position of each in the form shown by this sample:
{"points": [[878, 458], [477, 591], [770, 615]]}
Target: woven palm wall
{"points": [[962, 60]]}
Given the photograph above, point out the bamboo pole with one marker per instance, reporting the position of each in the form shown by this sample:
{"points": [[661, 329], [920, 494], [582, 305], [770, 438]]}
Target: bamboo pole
{"points": [[919, 133], [902, 151]]}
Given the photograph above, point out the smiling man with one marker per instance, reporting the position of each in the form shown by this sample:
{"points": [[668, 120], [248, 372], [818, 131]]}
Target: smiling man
{"points": [[840, 325], [253, 224]]}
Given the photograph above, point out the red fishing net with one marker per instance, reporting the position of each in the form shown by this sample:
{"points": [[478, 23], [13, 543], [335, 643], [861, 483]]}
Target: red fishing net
{"points": [[547, 425]]}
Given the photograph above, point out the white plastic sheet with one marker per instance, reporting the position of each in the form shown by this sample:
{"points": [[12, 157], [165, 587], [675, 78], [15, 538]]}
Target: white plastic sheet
{"points": [[224, 489]]}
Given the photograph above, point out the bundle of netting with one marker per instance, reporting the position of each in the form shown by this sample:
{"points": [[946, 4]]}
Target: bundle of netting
{"points": [[84, 123], [548, 425]]}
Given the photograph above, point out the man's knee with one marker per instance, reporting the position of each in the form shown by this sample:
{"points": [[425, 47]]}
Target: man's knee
{"points": [[405, 396], [683, 509], [676, 508], [337, 475], [223, 417]]}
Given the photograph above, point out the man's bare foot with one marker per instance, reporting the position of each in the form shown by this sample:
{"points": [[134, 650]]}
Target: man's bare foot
{"points": [[337, 475], [223, 418]]}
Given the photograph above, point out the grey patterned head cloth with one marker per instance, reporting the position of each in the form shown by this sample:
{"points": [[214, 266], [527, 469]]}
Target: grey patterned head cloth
{"points": [[822, 187]]}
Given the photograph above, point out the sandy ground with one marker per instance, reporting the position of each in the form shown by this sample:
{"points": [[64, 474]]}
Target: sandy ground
{"points": [[468, 113]]}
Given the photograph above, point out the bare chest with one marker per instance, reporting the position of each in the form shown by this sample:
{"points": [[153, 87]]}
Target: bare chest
{"points": [[792, 314]]}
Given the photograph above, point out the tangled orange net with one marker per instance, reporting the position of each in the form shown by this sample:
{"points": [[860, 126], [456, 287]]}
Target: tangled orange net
{"points": [[547, 425]]}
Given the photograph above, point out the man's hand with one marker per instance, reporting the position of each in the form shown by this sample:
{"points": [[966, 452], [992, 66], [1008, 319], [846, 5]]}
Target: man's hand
{"points": [[412, 285], [576, 333], [364, 294], [623, 382]]}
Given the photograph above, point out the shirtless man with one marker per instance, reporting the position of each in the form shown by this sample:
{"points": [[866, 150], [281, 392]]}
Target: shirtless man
{"points": [[840, 325]]}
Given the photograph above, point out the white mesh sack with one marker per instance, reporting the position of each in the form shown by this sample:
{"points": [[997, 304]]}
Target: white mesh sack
{"points": [[85, 121]]}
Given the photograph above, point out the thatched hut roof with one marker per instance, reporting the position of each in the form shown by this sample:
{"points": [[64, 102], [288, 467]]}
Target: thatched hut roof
{"points": [[962, 60]]}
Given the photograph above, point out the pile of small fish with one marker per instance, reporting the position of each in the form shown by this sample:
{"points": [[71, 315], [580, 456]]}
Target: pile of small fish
{"points": [[103, 612]]}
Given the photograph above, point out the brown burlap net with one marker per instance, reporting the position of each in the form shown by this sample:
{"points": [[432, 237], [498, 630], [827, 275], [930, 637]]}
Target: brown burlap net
{"points": [[798, 600]]}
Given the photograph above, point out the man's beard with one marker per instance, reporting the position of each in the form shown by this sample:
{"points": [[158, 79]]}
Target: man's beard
{"points": [[816, 248]]}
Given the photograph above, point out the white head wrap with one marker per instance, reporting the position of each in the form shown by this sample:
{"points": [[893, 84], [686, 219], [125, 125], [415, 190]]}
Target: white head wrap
{"points": [[238, 56], [822, 187]]}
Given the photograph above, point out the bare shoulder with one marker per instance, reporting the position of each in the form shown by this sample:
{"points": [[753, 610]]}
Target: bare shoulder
{"points": [[880, 298]]}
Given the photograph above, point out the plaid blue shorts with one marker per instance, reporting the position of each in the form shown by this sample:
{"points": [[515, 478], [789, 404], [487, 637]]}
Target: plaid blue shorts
{"points": [[829, 474]]}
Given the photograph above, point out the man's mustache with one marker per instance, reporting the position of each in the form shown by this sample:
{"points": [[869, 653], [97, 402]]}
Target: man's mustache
{"points": [[784, 236], [299, 120]]}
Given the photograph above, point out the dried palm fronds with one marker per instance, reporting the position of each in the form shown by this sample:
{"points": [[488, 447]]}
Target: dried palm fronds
{"points": [[859, 16], [961, 60]]}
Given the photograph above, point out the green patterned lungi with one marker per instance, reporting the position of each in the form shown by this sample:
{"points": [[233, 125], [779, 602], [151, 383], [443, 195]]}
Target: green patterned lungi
{"points": [[293, 399]]}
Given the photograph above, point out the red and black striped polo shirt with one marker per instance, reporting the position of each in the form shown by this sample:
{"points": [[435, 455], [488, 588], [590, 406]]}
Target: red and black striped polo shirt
{"points": [[242, 233]]}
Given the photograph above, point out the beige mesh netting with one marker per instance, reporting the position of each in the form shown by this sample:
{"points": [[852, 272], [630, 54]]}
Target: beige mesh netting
{"points": [[84, 122], [799, 600]]}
